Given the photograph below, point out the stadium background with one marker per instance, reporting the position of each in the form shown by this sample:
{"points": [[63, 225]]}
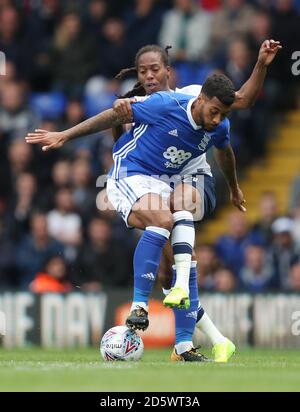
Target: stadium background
{"points": [[61, 59]]}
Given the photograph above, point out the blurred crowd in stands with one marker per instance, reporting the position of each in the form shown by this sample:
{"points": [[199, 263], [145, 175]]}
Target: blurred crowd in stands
{"points": [[61, 60]]}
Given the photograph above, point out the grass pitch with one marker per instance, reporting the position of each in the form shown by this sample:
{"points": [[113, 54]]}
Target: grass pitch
{"points": [[83, 370]]}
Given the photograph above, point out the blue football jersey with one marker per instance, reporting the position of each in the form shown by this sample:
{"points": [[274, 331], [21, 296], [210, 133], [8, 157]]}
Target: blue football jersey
{"points": [[164, 137]]}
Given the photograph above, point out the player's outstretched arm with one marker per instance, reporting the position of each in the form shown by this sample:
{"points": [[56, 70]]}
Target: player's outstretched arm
{"points": [[123, 108], [226, 161], [248, 93], [54, 140]]}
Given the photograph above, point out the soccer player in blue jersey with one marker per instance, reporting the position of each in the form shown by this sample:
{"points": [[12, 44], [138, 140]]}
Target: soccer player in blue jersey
{"points": [[136, 187], [151, 68], [174, 156]]}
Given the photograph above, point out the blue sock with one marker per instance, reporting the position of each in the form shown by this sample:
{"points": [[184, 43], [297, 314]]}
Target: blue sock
{"points": [[185, 319], [146, 262]]}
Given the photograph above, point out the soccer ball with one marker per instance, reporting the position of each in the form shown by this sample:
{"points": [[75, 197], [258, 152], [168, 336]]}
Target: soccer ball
{"points": [[121, 343]]}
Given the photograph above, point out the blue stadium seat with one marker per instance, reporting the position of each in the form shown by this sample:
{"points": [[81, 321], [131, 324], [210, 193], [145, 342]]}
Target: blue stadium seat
{"points": [[49, 105], [192, 73], [95, 103]]}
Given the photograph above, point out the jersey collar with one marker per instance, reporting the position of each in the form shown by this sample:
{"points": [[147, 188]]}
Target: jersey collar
{"points": [[189, 114]]}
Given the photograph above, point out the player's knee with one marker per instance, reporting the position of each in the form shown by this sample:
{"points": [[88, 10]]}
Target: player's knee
{"points": [[165, 221]]}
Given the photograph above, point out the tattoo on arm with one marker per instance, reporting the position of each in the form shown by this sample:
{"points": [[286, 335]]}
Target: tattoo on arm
{"points": [[102, 121]]}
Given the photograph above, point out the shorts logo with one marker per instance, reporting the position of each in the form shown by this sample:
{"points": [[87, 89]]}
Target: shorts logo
{"points": [[177, 157]]}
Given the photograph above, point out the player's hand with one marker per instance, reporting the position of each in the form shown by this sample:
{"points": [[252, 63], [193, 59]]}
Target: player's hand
{"points": [[237, 199], [268, 51], [123, 107], [48, 140]]}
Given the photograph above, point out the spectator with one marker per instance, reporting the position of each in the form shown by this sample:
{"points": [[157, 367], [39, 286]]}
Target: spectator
{"points": [[96, 16], [294, 201], [22, 203], [233, 19], [64, 222], [34, 249], [143, 23], [74, 114], [60, 178], [268, 211], [16, 118], [294, 278], [286, 27], [187, 29], [114, 53], [256, 275], [296, 225], [84, 189], [224, 281], [208, 264], [102, 263], [73, 56], [43, 20], [20, 157], [53, 278], [260, 29], [40, 25], [7, 259], [284, 251], [231, 246], [11, 37], [61, 173]]}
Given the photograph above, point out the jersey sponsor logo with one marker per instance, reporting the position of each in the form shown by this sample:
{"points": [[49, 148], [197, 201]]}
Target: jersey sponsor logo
{"points": [[149, 276], [176, 157], [173, 132], [204, 142]]}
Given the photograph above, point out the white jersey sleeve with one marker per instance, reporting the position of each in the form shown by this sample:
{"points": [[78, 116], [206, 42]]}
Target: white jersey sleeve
{"points": [[193, 89]]}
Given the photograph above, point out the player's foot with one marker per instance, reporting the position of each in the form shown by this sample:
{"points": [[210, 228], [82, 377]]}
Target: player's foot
{"points": [[138, 319], [177, 298], [222, 352], [189, 356]]}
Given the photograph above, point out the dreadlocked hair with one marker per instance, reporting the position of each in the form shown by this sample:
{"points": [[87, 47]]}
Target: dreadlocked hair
{"points": [[138, 89]]}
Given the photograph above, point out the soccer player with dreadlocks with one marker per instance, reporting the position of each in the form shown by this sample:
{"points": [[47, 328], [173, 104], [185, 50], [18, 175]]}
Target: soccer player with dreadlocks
{"points": [[204, 114], [153, 71]]}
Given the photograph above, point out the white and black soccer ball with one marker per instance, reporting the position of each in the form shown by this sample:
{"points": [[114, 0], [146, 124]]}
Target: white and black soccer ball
{"points": [[121, 343]]}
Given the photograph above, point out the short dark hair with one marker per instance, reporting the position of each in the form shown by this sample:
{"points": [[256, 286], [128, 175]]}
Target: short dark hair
{"points": [[220, 86]]}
